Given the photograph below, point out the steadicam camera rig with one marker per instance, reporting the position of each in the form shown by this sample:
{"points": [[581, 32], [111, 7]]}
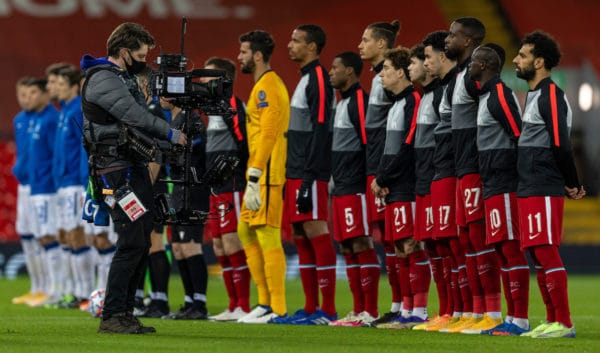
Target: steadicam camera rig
{"points": [[173, 82]]}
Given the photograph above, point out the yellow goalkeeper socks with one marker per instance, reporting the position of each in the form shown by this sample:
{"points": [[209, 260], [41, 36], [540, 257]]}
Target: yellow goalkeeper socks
{"points": [[275, 266]]}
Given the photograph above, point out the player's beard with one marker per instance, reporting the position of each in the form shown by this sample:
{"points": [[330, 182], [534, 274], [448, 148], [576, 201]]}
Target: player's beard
{"points": [[249, 67], [526, 73], [452, 53]]}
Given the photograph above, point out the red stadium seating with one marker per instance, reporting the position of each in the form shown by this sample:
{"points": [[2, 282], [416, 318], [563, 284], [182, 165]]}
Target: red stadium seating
{"points": [[571, 23]]}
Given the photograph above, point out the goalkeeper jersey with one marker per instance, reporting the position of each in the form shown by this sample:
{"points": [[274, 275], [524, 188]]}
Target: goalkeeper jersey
{"points": [[267, 119]]}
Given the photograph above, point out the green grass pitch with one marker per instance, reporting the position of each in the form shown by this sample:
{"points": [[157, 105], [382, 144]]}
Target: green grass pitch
{"points": [[24, 329]]}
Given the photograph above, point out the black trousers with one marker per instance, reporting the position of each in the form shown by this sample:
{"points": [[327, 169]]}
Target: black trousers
{"points": [[131, 258]]}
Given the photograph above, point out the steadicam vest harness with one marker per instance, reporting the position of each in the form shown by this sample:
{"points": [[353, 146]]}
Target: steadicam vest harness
{"points": [[104, 151]]}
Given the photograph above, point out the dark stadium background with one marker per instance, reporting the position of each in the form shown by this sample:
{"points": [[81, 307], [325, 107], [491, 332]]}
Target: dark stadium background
{"points": [[36, 33]]}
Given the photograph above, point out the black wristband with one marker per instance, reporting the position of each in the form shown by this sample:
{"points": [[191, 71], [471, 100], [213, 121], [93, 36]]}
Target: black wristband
{"points": [[253, 179]]}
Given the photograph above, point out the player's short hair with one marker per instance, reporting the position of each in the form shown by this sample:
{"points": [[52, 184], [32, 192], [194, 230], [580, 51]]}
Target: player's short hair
{"points": [[24, 81], [314, 34], [259, 41], [353, 60], [418, 51], [53, 69], [39, 82], [71, 73], [544, 46], [128, 35], [490, 57], [473, 28], [400, 59], [437, 40], [499, 50], [223, 64], [386, 31]]}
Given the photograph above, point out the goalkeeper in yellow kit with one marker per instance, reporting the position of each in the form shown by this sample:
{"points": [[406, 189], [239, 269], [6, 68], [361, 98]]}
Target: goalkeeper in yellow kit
{"points": [[259, 228]]}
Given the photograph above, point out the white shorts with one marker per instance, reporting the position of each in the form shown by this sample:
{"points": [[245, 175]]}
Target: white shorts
{"points": [[44, 215], [25, 218], [92, 229], [69, 207]]}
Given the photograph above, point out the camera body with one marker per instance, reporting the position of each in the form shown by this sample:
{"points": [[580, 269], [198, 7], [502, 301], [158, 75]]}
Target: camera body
{"points": [[182, 88]]}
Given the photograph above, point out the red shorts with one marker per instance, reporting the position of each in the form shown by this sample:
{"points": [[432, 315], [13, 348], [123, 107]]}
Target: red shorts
{"points": [[443, 204], [501, 218], [399, 220], [225, 212], [375, 205], [423, 218], [540, 220], [319, 200], [349, 216], [469, 200]]}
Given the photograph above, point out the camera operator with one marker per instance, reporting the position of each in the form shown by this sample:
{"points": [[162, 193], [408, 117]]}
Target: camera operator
{"points": [[112, 102], [186, 240]]}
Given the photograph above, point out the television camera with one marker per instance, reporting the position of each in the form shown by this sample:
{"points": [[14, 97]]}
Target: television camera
{"points": [[182, 88]]}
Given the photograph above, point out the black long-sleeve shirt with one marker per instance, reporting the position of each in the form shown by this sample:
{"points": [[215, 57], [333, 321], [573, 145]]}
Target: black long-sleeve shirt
{"points": [[379, 105], [443, 156], [397, 166], [227, 136], [309, 132], [545, 159], [427, 120], [464, 122], [348, 151], [498, 129]]}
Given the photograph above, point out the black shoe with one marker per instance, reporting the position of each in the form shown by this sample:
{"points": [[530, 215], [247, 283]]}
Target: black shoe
{"points": [[143, 329], [119, 323], [183, 308], [384, 319], [191, 314], [155, 312]]}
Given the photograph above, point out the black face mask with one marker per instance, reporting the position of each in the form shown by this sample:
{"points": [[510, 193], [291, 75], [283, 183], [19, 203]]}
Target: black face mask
{"points": [[136, 66]]}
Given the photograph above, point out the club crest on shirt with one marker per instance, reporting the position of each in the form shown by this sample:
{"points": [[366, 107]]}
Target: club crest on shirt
{"points": [[262, 96]]}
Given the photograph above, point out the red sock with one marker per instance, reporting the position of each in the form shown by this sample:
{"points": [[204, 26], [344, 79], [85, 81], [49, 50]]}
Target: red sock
{"points": [[420, 278], [437, 270], [541, 281], [458, 253], [458, 305], [449, 290], [489, 274], [444, 251], [308, 274], [403, 268], [227, 273], [325, 260], [241, 279], [510, 306], [504, 269], [390, 267], [353, 273], [556, 282], [488, 269], [471, 270], [518, 277], [369, 279]]}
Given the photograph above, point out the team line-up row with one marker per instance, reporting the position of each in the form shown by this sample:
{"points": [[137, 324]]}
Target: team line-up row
{"points": [[457, 178]]}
